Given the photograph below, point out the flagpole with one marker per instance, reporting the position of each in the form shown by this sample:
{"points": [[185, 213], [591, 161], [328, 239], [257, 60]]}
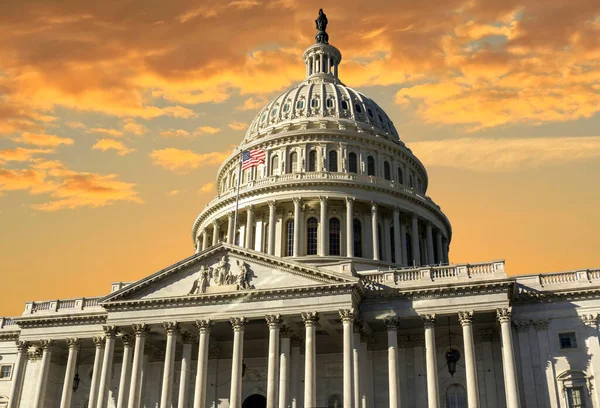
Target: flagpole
{"points": [[237, 202]]}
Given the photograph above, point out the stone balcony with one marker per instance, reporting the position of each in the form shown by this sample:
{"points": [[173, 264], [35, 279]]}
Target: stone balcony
{"points": [[62, 306]]}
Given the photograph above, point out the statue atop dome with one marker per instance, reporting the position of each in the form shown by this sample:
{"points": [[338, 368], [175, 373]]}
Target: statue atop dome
{"points": [[321, 21]]}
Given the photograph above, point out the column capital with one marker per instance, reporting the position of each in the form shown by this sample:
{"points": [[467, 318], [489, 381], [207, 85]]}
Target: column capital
{"points": [[403, 341], [428, 320], [127, 339], [323, 199], [295, 340], [486, 334], [99, 341], [22, 345], [140, 329], [350, 200], [215, 223], [47, 344], [396, 210], [187, 337], [272, 203], [250, 208], [73, 343], [274, 321], [310, 318], [391, 322], [231, 214], [171, 327], [238, 323], [110, 330], [465, 318], [359, 326], [540, 324], [347, 315], [591, 319], [522, 325], [504, 315], [297, 200], [204, 326], [285, 331], [373, 207]]}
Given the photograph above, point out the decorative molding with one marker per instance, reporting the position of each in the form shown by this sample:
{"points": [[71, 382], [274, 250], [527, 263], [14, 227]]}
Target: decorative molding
{"points": [[347, 315], [28, 322], [127, 340], [274, 321], [503, 315], [34, 352], [238, 323], [172, 328], [110, 330], [140, 329], [47, 344], [73, 343], [22, 345], [99, 341], [204, 326], [465, 318], [310, 318], [591, 319]]}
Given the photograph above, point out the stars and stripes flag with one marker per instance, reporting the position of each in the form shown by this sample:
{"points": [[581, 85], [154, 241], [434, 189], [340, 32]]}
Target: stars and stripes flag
{"points": [[252, 158]]}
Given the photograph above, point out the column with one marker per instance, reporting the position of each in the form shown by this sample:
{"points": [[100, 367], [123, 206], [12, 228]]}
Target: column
{"points": [[508, 359], [204, 240], [397, 236], [526, 369], [356, 384], [295, 373], [124, 383], [431, 363], [166, 396], [370, 374], [40, 391], [362, 368], [405, 260], [19, 371], [99, 342], [324, 227], [489, 396], [135, 388], [591, 331], [201, 373], [284, 368], [297, 209], [374, 227], [215, 237], [67, 393], [249, 226], [107, 362], [350, 227], [391, 323], [439, 246], [274, 323], [310, 369], [430, 253], [235, 396], [347, 316], [416, 252], [230, 228], [551, 397], [445, 251], [186, 361], [272, 223], [466, 321]]}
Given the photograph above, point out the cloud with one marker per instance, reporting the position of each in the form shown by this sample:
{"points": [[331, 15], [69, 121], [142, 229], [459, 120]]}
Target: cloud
{"points": [[76, 125], [206, 130], [179, 112], [175, 133], [42, 140], [110, 144], [67, 189], [505, 155], [172, 193], [207, 188], [103, 131], [238, 125], [252, 104], [130, 126], [183, 161], [21, 154]]}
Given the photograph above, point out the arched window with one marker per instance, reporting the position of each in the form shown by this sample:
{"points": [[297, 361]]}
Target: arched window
{"points": [[333, 160], [289, 234], [312, 160], [392, 244], [274, 165], [410, 181], [345, 105], [400, 175], [334, 236], [352, 163], [370, 166], [311, 236], [456, 396], [357, 228], [387, 174], [293, 162]]}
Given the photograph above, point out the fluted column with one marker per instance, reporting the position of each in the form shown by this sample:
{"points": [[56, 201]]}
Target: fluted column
{"points": [[508, 359], [350, 227], [284, 367], [107, 362], [375, 231], [166, 396], [124, 382], [215, 236], [433, 400], [347, 316], [204, 240], [591, 331], [249, 226], [135, 388], [40, 390], [235, 396], [356, 375], [99, 342], [405, 260], [429, 234], [416, 251], [19, 371], [438, 246], [272, 223], [324, 227], [363, 357], [230, 228], [201, 373], [295, 375], [397, 237], [73, 345], [391, 323], [466, 321], [310, 356], [297, 227], [186, 361], [274, 324]]}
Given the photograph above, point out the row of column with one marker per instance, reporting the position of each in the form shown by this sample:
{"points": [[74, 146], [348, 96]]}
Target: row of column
{"points": [[432, 239]]}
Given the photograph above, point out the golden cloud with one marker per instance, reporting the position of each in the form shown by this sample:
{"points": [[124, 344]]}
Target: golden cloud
{"points": [[238, 125], [183, 161], [130, 126], [76, 125], [103, 131], [21, 154], [42, 140], [172, 193], [207, 188], [206, 130], [111, 144], [175, 133]]}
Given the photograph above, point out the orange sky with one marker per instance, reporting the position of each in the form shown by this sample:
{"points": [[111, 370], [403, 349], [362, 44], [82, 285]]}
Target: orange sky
{"points": [[114, 117]]}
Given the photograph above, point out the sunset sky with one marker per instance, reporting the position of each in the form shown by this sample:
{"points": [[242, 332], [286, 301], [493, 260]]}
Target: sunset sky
{"points": [[114, 116]]}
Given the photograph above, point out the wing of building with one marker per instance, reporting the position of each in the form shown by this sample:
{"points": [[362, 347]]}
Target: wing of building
{"points": [[330, 287]]}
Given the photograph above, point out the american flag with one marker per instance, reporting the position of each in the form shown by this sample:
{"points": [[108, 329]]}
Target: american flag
{"points": [[252, 158]]}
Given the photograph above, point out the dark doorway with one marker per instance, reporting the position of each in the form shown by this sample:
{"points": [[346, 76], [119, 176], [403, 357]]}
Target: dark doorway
{"points": [[255, 401]]}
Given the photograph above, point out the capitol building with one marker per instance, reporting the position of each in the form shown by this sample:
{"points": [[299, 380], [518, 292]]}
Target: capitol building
{"points": [[320, 278]]}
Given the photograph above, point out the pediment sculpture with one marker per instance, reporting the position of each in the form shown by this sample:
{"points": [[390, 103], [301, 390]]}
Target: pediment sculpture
{"points": [[221, 275]]}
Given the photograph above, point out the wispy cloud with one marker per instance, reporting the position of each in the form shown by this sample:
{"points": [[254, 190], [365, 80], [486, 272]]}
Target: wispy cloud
{"points": [[108, 132], [111, 144], [238, 125], [175, 133], [184, 161], [21, 154], [206, 130], [207, 188], [42, 140]]}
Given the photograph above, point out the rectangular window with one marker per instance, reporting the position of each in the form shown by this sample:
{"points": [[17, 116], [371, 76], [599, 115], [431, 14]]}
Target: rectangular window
{"points": [[567, 340], [5, 371], [575, 397]]}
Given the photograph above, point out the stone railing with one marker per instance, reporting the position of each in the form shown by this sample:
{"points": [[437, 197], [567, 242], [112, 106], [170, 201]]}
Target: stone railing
{"points": [[428, 274], [7, 322], [569, 278], [60, 305]]}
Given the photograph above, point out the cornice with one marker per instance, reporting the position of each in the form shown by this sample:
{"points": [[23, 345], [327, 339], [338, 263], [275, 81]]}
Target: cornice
{"points": [[9, 336], [548, 296], [26, 322]]}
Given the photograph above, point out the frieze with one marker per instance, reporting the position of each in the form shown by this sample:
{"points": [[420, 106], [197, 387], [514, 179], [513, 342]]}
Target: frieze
{"points": [[54, 321]]}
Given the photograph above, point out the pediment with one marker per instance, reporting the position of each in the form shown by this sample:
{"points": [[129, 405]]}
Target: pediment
{"points": [[227, 270]]}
